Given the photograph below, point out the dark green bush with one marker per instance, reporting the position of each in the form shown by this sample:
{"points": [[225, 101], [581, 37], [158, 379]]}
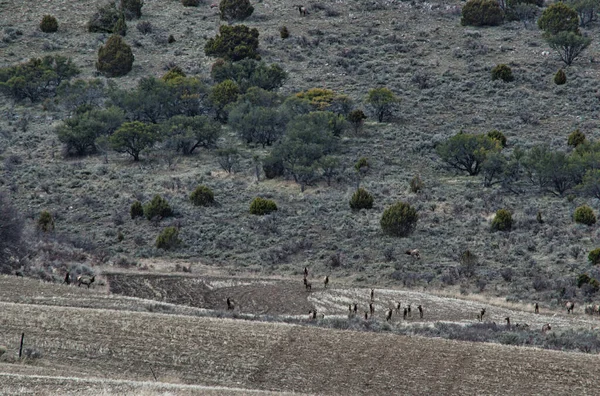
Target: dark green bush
{"points": [[105, 19], [591, 283], [416, 184], [235, 10], [559, 17], [594, 256], [49, 24], [499, 136], [284, 32], [502, 72], [357, 119], [482, 13], [560, 77], [233, 43], [45, 222], [202, 196], [502, 221], [249, 73], [361, 199], [362, 165], [190, 3], [273, 167], [168, 239], [399, 219], [261, 206], [115, 58], [132, 9], [157, 208], [576, 138], [136, 210], [584, 215]]}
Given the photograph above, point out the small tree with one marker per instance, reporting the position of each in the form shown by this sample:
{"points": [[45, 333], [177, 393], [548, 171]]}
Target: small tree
{"points": [[186, 134], [399, 219], [261, 206], [467, 152], [594, 256], [45, 222], [202, 196], [221, 95], [330, 166], [568, 45], [560, 77], [168, 239], [235, 10], [49, 24], [482, 13], [105, 19], [233, 43], [498, 136], [136, 210], [559, 17], [585, 215], [416, 184], [361, 199], [383, 102], [576, 138], [133, 137], [502, 221], [590, 185], [357, 119], [502, 72], [115, 58], [157, 208], [229, 159]]}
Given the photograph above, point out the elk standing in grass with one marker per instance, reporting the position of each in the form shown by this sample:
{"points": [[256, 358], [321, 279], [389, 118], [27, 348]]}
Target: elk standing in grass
{"points": [[326, 281], [389, 314], [301, 9], [570, 306], [307, 285], [409, 313], [85, 280], [372, 294], [230, 305], [546, 328], [480, 315], [414, 253], [398, 307], [405, 312], [507, 322], [536, 308], [19, 273], [305, 272], [366, 315], [371, 309], [420, 308], [355, 308]]}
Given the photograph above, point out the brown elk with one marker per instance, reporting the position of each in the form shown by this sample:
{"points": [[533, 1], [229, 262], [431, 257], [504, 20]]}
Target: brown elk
{"points": [[355, 308], [420, 308], [536, 308], [230, 305], [371, 309], [19, 273], [409, 313], [414, 253], [546, 328], [570, 306], [326, 281], [366, 315], [372, 294], [307, 285], [388, 317], [405, 312], [67, 279], [305, 272], [85, 280], [312, 314], [398, 307], [507, 322], [480, 315], [302, 10]]}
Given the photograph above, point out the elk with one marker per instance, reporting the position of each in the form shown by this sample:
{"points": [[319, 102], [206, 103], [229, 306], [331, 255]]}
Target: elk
{"points": [[372, 294], [389, 314], [536, 308], [507, 322], [230, 305], [414, 253], [67, 279], [409, 313], [307, 285], [405, 312], [480, 315], [350, 312], [305, 272], [546, 328], [326, 281], [302, 10], [366, 315], [312, 314], [398, 307], [85, 280], [570, 306], [371, 309], [355, 308], [19, 273], [420, 308]]}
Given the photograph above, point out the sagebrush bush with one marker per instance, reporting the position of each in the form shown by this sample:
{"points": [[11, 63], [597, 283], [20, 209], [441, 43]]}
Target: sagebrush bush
{"points": [[560, 77], [502, 72], [361, 199], [132, 9], [115, 58], [49, 24], [362, 165], [168, 239], [261, 206], [594, 256], [482, 13], [190, 3], [576, 138], [502, 221], [399, 219], [45, 222], [157, 208], [416, 184], [499, 136], [284, 32], [585, 215], [136, 210], [202, 196]]}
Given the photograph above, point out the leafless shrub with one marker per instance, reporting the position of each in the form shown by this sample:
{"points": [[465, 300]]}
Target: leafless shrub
{"points": [[144, 27]]}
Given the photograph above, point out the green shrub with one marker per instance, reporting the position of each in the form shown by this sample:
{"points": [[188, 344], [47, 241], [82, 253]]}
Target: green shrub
{"points": [[502, 221], [362, 165], [382, 102], [399, 219], [105, 19], [173, 73], [45, 222], [49, 24], [357, 119], [235, 10], [115, 58], [361, 199], [249, 73], [499, 136], [261, 206], [502, 72], [594, 256], [416, 184], [482, 13], [560, 77], [202, 196], [132, 9], [284, 32], [190, 3], [136, 210], [233, 43], [157, 208], [585, 215], [273, 167], [168, 239], [559, 17], [319, 98], [576, 138]]}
